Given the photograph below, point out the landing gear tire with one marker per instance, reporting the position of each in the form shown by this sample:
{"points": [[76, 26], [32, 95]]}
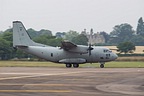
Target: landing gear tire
{"points": [[102, 66], [75, 65], [68, 65]]}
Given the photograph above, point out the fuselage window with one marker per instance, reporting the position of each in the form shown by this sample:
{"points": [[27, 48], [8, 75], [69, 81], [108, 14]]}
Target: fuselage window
{"points": [[105, 51], [51, 54]]}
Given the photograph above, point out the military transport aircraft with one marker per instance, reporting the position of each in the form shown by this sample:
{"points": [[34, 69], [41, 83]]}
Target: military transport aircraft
{"points": [[69, 53]]}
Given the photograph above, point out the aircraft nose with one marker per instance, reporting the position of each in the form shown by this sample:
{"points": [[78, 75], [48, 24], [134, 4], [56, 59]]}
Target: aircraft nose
{"points": [[115, 56]]}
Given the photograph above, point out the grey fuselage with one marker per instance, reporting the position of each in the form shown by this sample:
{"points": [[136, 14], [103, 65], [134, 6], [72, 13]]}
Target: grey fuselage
{"points": [[55, 54], [69, 53]]}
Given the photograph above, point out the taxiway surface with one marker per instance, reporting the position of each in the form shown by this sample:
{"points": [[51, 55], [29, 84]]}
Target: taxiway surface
{"points": [[39, 81]]}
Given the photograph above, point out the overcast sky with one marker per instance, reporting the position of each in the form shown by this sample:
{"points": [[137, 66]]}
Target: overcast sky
{"points": [[65, 15]]}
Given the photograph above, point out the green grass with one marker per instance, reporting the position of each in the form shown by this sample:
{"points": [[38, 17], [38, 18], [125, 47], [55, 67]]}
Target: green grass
{"points": [[115, 64], [29, 64], [131, 64], [50, 64]]}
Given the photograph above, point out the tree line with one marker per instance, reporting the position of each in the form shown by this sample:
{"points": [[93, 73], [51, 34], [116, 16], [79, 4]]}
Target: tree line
{"points": [[125, 32], [121, 35]]}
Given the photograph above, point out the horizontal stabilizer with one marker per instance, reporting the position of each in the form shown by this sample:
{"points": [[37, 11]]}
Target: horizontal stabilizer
{"points": [[21, 46]]}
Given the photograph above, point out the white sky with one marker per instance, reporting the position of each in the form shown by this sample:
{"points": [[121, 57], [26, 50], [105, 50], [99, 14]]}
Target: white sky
{"points": [[65, 15]]}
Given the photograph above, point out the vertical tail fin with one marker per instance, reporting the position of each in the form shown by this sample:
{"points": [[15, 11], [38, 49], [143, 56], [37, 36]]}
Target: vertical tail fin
{"points": [[21, 37]]}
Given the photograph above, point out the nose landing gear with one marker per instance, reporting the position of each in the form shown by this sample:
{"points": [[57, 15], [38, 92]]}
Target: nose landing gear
{"points": [[102, 64]]}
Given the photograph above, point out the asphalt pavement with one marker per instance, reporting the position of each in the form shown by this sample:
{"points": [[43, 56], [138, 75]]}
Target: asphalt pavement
{"points": [[43, 81]]}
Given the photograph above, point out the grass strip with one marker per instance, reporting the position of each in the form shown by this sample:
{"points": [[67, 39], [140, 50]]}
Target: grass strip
{"points": [[114, 64]]}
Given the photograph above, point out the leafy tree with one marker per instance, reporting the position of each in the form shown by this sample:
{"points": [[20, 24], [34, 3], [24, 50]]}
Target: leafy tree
{"points": [[42, 39], [8, 37], [71, 34], [60, 35], [138, 40], [80, 40], [1, 32], [20, 54], [55, 42], [48, 40], [33, 33], [45, 32], [126, 47], [9, 30], [140, 27], [121, 33], [6, 44], [5, 49], [106, 36]]}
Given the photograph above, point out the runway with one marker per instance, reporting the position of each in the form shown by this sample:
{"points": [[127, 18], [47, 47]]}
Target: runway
{"points": [[40, 81]]}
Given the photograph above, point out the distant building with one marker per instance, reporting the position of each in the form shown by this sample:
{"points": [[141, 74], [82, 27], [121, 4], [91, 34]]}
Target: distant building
{"points": [[94, 38]]}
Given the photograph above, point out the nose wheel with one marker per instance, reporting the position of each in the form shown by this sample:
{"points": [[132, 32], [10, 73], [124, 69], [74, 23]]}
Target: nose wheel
{"points": [[102, 64]]}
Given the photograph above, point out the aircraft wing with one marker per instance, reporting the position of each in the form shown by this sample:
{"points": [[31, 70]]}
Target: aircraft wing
{"points": [[66, 45], [71, 47]]}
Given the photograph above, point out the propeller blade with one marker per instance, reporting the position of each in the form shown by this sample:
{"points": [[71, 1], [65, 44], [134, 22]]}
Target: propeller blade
{"points": [[89, 49]]}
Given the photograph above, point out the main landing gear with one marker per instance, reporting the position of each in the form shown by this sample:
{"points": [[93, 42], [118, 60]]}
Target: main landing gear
{"points": [[77, 65], [70, 65]]}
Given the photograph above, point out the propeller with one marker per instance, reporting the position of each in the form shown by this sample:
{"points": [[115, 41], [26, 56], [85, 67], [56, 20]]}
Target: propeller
{"points": [[89, 49]]}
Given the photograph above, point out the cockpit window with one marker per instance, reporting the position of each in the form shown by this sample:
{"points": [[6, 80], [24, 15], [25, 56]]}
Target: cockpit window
{"points": [[106, 50]]}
